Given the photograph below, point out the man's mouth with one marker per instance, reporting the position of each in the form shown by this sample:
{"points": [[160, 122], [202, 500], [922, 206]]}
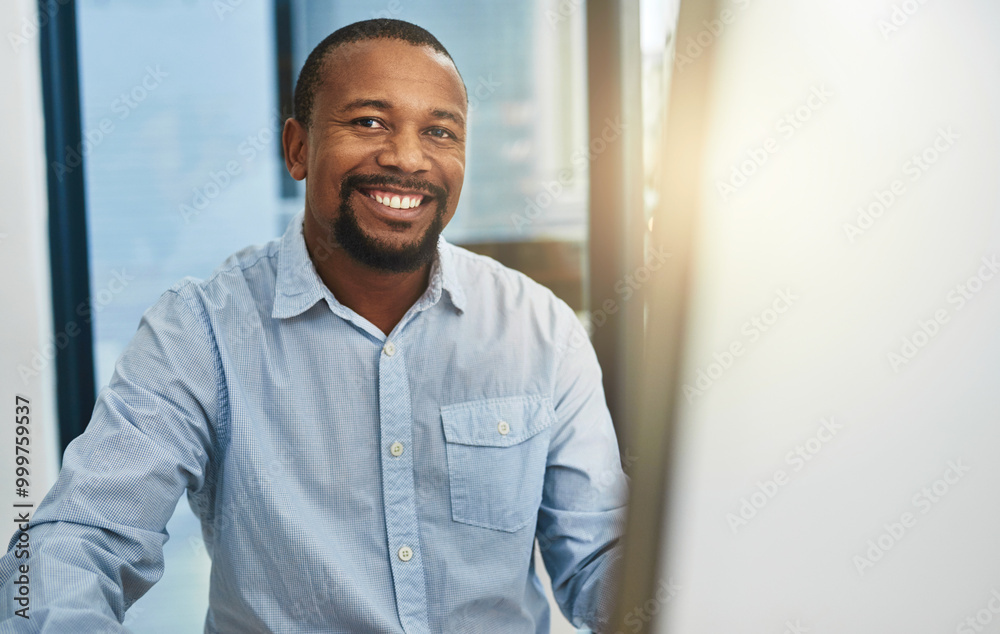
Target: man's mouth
{"points": [[395, 199]]}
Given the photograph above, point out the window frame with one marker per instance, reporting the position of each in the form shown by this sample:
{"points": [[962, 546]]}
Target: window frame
{"points": [[67, 202]]}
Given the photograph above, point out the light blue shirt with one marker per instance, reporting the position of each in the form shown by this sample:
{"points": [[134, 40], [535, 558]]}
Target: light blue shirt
{"points": [[346, 481]]}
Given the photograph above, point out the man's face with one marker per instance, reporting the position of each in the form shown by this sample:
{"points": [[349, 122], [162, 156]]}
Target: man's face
{"points": [[385, 152]]}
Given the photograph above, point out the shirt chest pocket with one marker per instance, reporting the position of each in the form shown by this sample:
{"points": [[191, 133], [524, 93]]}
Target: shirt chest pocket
{"points": [[497, 450]]}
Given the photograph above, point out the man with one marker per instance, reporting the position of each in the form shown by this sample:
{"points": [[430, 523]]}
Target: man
{"points": [[372, 424]]}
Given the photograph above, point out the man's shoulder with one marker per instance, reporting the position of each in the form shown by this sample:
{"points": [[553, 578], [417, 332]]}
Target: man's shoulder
{"points": [[490, 285], [252, 268]]}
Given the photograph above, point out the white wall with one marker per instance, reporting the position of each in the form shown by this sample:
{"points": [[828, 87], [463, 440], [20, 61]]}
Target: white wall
{"points": [[750, 555], [26, 318]]}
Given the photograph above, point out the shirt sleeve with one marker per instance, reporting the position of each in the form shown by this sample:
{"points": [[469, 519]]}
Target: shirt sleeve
{"points": [[96, 539], [582, 515]]}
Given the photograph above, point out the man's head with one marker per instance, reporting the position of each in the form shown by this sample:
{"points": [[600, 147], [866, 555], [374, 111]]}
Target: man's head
{"points": [[379, 116]]}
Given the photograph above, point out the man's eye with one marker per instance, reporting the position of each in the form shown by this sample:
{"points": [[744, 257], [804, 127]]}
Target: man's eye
{"points": [[369, 122], [440, 133]]}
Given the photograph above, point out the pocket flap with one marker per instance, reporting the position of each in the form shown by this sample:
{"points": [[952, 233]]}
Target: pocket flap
{"points": [[481, 423]]}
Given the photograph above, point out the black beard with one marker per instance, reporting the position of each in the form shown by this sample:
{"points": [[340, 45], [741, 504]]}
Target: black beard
{"points": [[374, 253]]}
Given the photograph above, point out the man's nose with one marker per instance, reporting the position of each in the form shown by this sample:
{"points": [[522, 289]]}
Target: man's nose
{"points": [[404, 151]]}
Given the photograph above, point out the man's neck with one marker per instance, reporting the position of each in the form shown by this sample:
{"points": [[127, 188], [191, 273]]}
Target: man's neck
{"points": [[380, 297]]}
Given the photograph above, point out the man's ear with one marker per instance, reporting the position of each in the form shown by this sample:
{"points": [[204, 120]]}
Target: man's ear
{"points": [[295, 143]]}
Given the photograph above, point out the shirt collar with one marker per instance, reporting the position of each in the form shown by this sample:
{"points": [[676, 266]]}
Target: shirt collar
{"points": [[298, 286]]}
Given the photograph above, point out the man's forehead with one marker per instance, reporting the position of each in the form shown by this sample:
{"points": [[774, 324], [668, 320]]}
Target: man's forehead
{"points": [[357, 67]]}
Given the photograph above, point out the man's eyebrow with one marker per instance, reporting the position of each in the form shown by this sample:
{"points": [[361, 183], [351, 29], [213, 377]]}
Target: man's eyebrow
{"points": [[448, 114], [366, 103], [379, 104]]}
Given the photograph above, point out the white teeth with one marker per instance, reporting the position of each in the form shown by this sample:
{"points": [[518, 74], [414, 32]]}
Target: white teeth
{"points": [[398, 202]]}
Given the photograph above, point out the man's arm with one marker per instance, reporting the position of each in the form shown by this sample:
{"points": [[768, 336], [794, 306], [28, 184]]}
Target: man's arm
{"points": [[582, 515], [96, 540]]}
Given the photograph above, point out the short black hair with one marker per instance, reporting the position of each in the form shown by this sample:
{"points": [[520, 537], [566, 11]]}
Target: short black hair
{"points": [[311, 74]]}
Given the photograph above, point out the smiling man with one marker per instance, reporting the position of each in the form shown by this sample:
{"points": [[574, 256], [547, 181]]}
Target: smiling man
{"points": [[374, 426]]}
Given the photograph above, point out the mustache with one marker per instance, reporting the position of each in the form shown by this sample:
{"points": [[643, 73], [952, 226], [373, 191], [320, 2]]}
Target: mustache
{"points": [[357, 181]]}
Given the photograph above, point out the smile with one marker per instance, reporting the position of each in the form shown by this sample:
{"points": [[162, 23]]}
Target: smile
{"points": [[395, 200]]}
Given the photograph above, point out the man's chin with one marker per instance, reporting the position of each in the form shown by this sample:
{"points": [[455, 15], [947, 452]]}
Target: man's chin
{"points": [[380, 254]]}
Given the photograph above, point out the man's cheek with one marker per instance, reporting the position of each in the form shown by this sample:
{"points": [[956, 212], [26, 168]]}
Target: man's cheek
{"points": [[454, 194]]}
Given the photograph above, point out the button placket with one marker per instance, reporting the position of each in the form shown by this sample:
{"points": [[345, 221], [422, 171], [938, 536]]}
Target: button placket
{"points": [[398, 489]]}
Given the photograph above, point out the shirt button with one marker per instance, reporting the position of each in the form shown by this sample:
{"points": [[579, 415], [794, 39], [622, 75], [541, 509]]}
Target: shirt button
{"points": [[389, 348], [405, 553], [503, 427], [396, 449]]}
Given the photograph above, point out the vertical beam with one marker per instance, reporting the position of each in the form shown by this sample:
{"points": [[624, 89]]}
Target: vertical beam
{"points": [[67, 219], [615, 244], [659, 395], [285, 66]]}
